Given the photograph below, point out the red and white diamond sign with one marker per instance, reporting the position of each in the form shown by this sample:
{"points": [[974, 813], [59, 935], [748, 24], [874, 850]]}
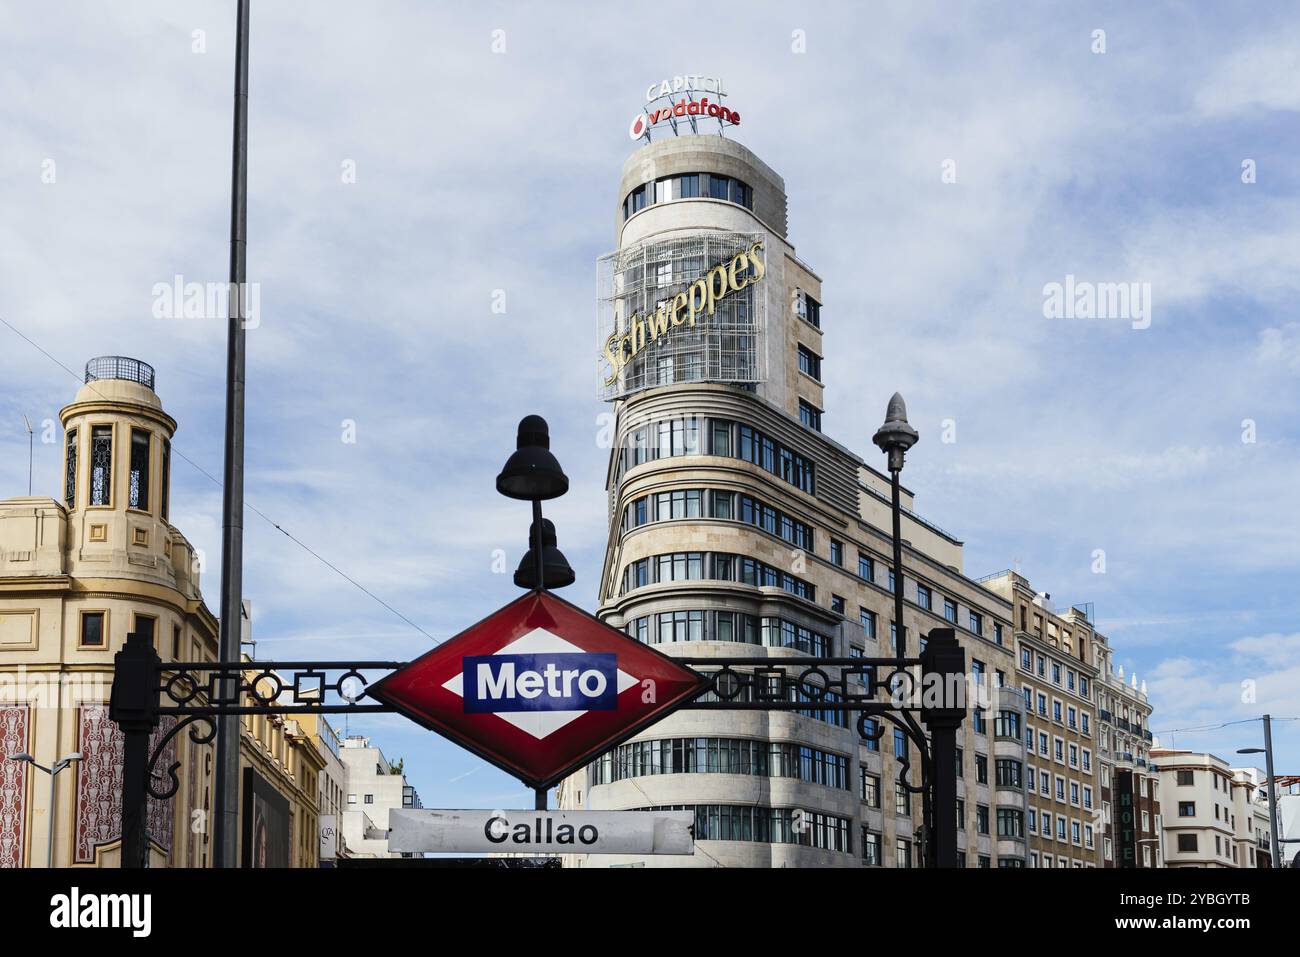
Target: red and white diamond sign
{"points": [[539, 688]]}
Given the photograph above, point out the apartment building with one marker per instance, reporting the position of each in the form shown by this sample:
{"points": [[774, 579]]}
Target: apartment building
{"points": [[374, 786], [1056, 672], [739, 527], [1124, 743], [1208, 821]]}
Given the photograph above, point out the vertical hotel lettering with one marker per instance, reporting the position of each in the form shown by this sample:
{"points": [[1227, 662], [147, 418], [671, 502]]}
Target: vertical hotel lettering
{"points": [[700, 299]]}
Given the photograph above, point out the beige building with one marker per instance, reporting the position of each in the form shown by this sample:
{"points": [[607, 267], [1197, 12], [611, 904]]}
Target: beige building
{"points": [[1124, 744], [373, 786], [1210, 814], [77, 574], [331, 784], [738, 527], [1056, 673]]}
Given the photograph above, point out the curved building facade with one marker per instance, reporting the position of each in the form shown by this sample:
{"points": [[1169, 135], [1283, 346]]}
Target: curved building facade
{"points": [[737, 527]]}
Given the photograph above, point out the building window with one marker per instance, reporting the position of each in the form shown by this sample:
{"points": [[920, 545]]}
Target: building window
{"points": [[837, 604], [837, 552], [870, 848], [868, 619], [1011, 823], [92, 629], [755, 447], [138, 477], [1008, 773], [923, 596], [981, 769], [370, 799], [101, 465], [903, 853], [1187, 843], [1185, 778], [164, 490], [950, 610], [997, 632], [810, 415], [900, 743], [70, 470], [866, 569], [981, 818], [977, 623], [1187, 809], [1007, 724], [902, 800], [870, 789], [810, 364]]}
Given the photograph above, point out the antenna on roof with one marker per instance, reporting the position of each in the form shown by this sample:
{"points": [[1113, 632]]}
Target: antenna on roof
{"points": [[30, 449]]}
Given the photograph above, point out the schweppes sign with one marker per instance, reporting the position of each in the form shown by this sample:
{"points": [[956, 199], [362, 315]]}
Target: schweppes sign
{"points": [[696, 304]]}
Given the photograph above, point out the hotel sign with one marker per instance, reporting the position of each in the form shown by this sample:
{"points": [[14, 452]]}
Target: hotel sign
{"points": [[1125, 820], [697, 302]]}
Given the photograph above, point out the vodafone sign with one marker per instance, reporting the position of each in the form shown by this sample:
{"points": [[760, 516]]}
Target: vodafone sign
{"points": [[686, 99]]}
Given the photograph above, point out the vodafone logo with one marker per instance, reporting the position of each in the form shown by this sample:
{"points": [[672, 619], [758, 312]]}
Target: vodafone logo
{"points": [[681, 109]]}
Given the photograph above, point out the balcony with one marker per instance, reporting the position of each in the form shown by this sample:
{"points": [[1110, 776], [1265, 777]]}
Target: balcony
{"points": [[1105, 715], [1122, 723], [120, 367]]}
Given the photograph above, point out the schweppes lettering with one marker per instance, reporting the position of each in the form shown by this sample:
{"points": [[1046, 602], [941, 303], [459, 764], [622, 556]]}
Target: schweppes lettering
{"points": [[695, 304]]}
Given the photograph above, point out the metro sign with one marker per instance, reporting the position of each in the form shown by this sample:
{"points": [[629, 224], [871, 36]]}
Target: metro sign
{"points": [[539, 688]]}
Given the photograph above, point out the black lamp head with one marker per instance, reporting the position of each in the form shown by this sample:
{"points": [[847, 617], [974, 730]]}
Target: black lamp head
{"points": [[555, 567], [895, 436], [532, 473]]}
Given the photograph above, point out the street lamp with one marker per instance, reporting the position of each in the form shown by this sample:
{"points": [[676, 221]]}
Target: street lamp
{"points": [[894, 438], [534, 475], [556, 572], [53, 772], [1275, 848]]}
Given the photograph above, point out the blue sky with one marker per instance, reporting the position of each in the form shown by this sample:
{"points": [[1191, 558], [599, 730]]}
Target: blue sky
{"points": [[479, 171]]}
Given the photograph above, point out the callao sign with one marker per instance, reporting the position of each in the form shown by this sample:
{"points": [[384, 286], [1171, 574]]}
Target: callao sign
{"points": [[539, 688], [541, 832], [684, 98]]}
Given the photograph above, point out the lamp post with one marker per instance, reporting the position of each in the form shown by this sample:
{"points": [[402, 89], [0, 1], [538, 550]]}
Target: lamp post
{"points": [[533, 474], [894, 438], [1275, 849], [53, 772]]}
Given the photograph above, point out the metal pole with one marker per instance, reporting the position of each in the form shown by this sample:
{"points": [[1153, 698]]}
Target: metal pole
{"points": [[538, 564], [49, 851], [31, 450], [226, 844], [539, 795], [944, 659], [899, 630], [1274, 847], [133, 704]]}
